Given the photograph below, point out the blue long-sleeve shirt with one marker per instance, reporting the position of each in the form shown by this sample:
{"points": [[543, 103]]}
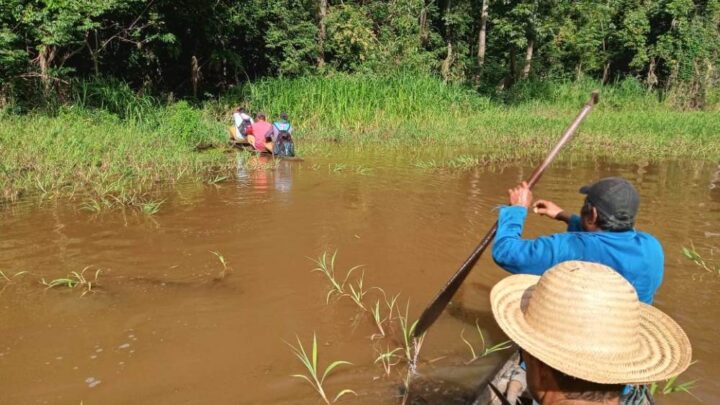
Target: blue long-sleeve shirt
{"points": [[637, 256]]}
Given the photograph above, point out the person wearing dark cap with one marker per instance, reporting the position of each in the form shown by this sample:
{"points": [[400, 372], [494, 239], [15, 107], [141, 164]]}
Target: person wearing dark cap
{"points": [[604, 233]]}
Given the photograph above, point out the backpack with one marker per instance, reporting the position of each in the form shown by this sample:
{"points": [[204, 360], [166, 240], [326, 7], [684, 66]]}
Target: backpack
{"points": [[244, 127], [284, 145]]}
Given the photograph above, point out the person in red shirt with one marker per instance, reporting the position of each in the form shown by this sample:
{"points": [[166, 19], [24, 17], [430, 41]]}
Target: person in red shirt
{"points": [[261, 134]]}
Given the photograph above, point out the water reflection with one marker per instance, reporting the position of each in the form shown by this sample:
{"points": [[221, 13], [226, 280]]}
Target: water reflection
{"points": [[263, 172]]}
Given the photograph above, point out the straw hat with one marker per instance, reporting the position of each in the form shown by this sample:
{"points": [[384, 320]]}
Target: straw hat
{"points": [[585, 320]]}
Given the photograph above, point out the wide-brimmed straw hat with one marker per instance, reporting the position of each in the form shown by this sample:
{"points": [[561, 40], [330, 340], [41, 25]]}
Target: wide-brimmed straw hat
{"points": [[585, 320]]}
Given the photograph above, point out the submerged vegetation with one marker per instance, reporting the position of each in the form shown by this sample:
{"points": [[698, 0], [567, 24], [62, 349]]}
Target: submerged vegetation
{"points": [[76, 279], [692, 254], [226, 269], [484, 349], [104, 161], [671, 386], [315, 375], [393, 343]]}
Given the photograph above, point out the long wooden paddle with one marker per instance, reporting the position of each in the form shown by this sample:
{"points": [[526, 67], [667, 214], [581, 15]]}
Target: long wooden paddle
{"points": [[433, 311]]}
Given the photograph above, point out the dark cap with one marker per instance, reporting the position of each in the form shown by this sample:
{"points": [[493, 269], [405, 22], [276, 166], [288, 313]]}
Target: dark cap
{"points": [[283, 116], [614, 197]]}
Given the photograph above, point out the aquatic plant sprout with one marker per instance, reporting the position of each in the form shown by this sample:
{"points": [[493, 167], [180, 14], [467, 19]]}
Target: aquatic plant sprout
{"points": [[671, 386], [388, 359], [484, 349], [223, 262], [4, 277], [357, 292], [313, 376], [326, 266], [411, 345], [151, 207], [693, 255], [75, 279]]}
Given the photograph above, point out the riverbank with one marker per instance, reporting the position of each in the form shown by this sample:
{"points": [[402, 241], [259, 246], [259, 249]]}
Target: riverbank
{"points": [[125, 153]]}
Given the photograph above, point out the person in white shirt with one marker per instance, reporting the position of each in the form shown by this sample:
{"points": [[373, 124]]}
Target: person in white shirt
{"points": [[243, 122]]}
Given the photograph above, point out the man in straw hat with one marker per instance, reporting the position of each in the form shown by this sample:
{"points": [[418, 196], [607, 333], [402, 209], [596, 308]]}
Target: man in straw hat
{"points": [[584, 334], [602, 233]]}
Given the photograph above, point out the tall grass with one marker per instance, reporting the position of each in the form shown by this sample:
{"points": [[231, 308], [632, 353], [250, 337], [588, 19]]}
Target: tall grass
{"points": [[408, 110], [103, 160], [114, 146]]}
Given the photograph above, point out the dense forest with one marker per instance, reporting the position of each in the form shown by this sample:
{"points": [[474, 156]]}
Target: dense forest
{"points": [[199, 48]]}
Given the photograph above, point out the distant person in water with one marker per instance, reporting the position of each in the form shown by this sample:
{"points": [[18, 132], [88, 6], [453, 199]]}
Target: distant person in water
{"points": [[242, 128], [603, 233], [262, 133], [283, 144]]}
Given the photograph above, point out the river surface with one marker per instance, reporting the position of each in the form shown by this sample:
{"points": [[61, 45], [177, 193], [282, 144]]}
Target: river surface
{"points": [[166, 324]]}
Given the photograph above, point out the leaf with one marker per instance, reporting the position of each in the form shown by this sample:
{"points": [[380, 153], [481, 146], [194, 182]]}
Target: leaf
{"points": [[314, 354], [472, 349], [332, 366], [344, 392], [304, 377]]}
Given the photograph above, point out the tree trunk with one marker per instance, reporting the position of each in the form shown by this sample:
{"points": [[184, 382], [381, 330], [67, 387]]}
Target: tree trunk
{"points": [[481, 36], [94, 53], [447, 63], [606, 73], [513, 67], [195, 74], [321, 33], [528, 59], [651, 79], [45, 58], [423, 22]]}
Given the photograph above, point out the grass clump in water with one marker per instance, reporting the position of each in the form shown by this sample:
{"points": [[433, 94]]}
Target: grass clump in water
{"points": [[484, 348], [223, 262], [75, 279], [7, 278], [313, 373], [692, 254], [102, 160], [672, 386]]}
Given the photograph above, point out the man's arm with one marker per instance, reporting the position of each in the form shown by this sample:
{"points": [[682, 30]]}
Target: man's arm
{"points": [[514, 254], [532, 256], [552, 210]]}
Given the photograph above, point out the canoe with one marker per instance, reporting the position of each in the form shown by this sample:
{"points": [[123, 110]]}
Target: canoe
{"points": [[509, 379], [250, 149]]}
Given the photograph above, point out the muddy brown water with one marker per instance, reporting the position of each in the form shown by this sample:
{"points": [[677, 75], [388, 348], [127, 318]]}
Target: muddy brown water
{"points": [[163, 328]]}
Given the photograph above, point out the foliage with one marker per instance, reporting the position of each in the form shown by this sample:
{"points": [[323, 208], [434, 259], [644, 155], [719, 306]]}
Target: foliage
{"points": [[692, 254], [75, 279], [108, 156], [672, 386], [105, 162], [200, 48], [313, 377], [484, 348]]}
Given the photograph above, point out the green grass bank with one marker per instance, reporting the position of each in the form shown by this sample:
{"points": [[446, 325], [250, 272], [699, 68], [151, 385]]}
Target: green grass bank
{"points": [[108, 146], [629, 122]]}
